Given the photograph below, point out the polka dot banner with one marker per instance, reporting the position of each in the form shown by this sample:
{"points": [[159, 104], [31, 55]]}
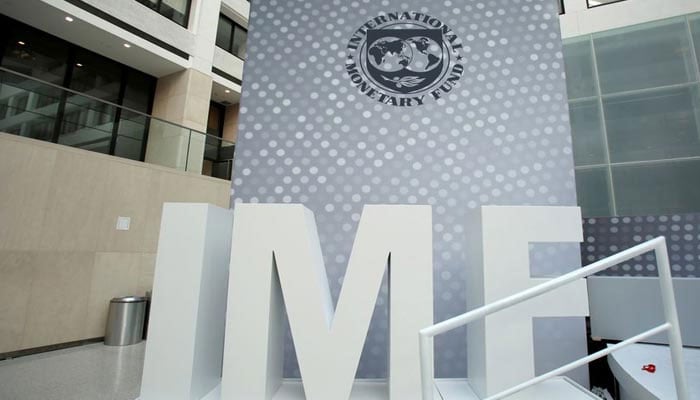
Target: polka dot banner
{"points": [[605, 236], [309, 133]]}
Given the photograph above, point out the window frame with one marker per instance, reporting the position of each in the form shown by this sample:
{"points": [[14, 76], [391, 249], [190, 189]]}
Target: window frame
{"points": [[158, 9], [588, 3], [70, 66], [234, 25]]}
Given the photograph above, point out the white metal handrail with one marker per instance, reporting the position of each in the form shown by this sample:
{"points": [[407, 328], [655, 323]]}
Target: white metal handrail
{"points": [[671, 326]]}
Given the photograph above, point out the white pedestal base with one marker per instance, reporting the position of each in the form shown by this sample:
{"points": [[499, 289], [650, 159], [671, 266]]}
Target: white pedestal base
{"points": [[446, 389], [554, 389], [293, 390]]}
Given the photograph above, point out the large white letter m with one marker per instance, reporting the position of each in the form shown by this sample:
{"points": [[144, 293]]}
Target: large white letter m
{"points": [[276, 262]]}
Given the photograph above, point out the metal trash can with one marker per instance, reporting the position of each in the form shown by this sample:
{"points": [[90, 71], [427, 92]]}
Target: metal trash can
{"points": [[125, 321]]}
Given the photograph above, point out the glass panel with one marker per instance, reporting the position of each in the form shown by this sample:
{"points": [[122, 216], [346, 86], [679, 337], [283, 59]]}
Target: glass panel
{"points": [[592, 190], [211, 148], [27, 108], [96, 76], [578, 60], [223, 34], [659, 188], [30, 107], [644, 56], [226, 151], [195, 152], [132, 130], [176, 10], [653, 125], [239, 42], [137, 94], [587, 132], [87, 124], [222, 169], [149, 3], [695, 29], [168, 144], [34, 53]]}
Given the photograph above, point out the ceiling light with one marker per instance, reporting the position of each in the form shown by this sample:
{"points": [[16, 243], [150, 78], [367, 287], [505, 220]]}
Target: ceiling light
{"points": [[227, 91], [78, 65], [21, 43], [127, 45], [69, 19]]}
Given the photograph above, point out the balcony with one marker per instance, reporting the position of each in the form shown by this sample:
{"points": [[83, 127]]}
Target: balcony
{"points": [[40, 110]]}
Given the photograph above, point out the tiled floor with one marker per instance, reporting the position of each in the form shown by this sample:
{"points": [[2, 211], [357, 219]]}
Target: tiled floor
{"points": [[92, 372]]}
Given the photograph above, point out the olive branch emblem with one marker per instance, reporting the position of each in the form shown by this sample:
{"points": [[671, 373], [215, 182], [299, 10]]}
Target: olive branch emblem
{"points": [[406, 81]]}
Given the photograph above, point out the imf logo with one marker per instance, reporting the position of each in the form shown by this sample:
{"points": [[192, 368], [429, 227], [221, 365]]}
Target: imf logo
{"points": [[403, 58]]}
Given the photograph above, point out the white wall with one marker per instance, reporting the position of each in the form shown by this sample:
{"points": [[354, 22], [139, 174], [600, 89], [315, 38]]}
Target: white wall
{"points": [[580, 20], [226, 61], [237, 10]]}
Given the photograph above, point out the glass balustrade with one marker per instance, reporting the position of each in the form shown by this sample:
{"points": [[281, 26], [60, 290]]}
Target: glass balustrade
{"points": [[39, 110]]}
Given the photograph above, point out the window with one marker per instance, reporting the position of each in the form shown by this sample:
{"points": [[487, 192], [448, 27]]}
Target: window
{"points": [[218, 154], [231, 37], [28, 52], [177, 11], [634, 105], [39, 108]]}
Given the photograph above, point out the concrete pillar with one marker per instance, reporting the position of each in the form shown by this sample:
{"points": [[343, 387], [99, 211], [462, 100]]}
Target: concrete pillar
{"points": [[202, 23], [184, 97]]}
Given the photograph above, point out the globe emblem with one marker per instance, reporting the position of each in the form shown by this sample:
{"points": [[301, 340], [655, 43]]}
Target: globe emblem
{"points": [[426, 54], [404, 58], [418, 54], [390, 54]]}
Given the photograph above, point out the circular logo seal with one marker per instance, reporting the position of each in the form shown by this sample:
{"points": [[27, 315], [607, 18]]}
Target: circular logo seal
{"points": [[404, 59]]}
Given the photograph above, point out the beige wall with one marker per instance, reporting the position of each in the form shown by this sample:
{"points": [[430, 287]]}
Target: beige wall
{"points": [[184, 98], [61, 258], [231, 123]]}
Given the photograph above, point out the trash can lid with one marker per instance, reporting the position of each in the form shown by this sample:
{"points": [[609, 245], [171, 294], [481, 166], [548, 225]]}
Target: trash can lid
{"points": [[128, 299]]}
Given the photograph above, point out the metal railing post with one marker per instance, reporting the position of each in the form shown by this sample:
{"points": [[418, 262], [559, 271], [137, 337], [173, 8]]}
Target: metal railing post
{"points": [[675, 341], [187, 154], [426, 376], [672, 326]]}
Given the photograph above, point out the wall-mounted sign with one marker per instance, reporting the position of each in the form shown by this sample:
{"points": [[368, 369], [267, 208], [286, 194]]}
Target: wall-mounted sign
{"points": [[453, 104], [404, 59]]}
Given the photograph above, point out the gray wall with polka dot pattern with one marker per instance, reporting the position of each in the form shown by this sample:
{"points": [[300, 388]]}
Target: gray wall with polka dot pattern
{"points": [[502, 137], [605, 236]]}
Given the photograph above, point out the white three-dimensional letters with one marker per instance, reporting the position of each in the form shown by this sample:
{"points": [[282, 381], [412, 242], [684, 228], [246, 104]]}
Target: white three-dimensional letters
{"points": [[277, 247], [500, 347]]}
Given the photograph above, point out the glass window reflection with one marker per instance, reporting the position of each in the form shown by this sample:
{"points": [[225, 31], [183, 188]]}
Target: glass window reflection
{"points": [[33, 103]]}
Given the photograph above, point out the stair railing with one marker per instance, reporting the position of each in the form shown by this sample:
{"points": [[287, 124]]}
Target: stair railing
{"points": [[671, 326]]}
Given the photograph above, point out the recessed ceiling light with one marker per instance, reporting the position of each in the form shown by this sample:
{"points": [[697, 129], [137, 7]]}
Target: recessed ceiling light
{"points": [[127, 45], [227, 91], [21, 43], [78, 65], [69, 19]]}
